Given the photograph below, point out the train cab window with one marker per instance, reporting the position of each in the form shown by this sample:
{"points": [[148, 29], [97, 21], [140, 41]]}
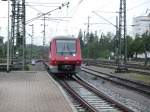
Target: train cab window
{"points": [[66, 47]]}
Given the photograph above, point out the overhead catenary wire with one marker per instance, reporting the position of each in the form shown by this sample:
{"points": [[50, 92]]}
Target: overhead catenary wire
{"points": [[34, 8], [97, 23], [47, 13], [51, 18], [129, 9], [79, 3], [77, 7], [104, 19], [107, 11], [139, 5], [42, 3]]}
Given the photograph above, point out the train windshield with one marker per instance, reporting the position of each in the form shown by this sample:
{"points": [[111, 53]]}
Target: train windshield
{"points": [[66, 47]]}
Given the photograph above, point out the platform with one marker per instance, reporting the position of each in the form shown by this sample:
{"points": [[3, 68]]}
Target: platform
{"points": [[32, 91]]}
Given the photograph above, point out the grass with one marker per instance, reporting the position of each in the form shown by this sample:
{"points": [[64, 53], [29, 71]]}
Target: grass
{"points": [[137, 76]]}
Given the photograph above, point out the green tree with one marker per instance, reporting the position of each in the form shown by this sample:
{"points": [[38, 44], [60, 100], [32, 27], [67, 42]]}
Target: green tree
{"points": [[106, 45], [146, 45], [137, 45], [90, 49], [95, 47], [91, 46], [80, 36], [130, 41]]}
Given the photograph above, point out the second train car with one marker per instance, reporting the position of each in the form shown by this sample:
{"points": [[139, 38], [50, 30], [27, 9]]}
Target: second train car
{"points": [[65, 55]]}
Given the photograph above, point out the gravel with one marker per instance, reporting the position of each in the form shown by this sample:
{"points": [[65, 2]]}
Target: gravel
{"points": [[132, 99]]}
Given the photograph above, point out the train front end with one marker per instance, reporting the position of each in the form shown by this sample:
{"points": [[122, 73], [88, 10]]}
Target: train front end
{"points": [[65, 56]]}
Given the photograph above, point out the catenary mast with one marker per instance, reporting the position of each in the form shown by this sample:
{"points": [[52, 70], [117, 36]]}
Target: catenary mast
{"points": [[18, 32], [122, 36]]}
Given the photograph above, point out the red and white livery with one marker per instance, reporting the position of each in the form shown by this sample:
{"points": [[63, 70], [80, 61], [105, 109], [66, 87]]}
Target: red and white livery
{"points": [[65, 55]]}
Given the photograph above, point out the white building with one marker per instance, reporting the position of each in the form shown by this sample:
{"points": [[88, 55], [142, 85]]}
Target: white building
{"points": [[141, 24]]}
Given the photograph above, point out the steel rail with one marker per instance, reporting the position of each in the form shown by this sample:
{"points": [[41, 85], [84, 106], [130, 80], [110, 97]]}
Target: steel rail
{"points": [[129, 65], [101, 94], [139, 87], [84, 103], [80, 99], [130, 69]]}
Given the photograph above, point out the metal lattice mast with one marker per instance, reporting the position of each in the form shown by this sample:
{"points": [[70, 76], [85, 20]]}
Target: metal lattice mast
{"points": [[122, 32], [18, 31], [12, 32], [24, 30]]}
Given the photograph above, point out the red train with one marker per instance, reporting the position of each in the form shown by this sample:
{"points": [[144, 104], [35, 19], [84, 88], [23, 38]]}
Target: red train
{"points": [[65, 55]]}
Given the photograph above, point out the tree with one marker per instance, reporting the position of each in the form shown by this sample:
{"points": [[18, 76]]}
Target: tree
{"points": [[95, 47], [80, 36], [137, 46], [1, 48], [91, 46], [96, 37], [106, 45], [130, 52], [146, 45]]}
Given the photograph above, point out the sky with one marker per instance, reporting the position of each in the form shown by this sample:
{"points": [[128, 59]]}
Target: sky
{"points": [[69, 20]]}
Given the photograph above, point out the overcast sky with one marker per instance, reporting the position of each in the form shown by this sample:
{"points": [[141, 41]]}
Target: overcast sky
{"points": [[75, 16]]}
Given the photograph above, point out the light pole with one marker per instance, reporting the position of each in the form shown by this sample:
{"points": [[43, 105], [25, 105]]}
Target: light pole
{"points": [[8, 39], [32, 39]]}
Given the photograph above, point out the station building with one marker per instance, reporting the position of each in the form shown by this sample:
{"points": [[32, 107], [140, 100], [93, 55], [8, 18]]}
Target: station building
{"points": [[141, 24]]}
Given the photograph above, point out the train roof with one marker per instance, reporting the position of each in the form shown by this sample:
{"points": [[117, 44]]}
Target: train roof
{"points": [[64, 37]]}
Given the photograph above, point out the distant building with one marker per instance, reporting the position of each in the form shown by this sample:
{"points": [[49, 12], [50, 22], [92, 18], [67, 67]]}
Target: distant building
{"points": [[141, 24], [143, 55]]}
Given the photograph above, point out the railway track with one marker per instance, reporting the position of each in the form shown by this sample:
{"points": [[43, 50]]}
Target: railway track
{"points": [[131, 67], [129, 64], [136, 70], [90, 98], [139, 87]]}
